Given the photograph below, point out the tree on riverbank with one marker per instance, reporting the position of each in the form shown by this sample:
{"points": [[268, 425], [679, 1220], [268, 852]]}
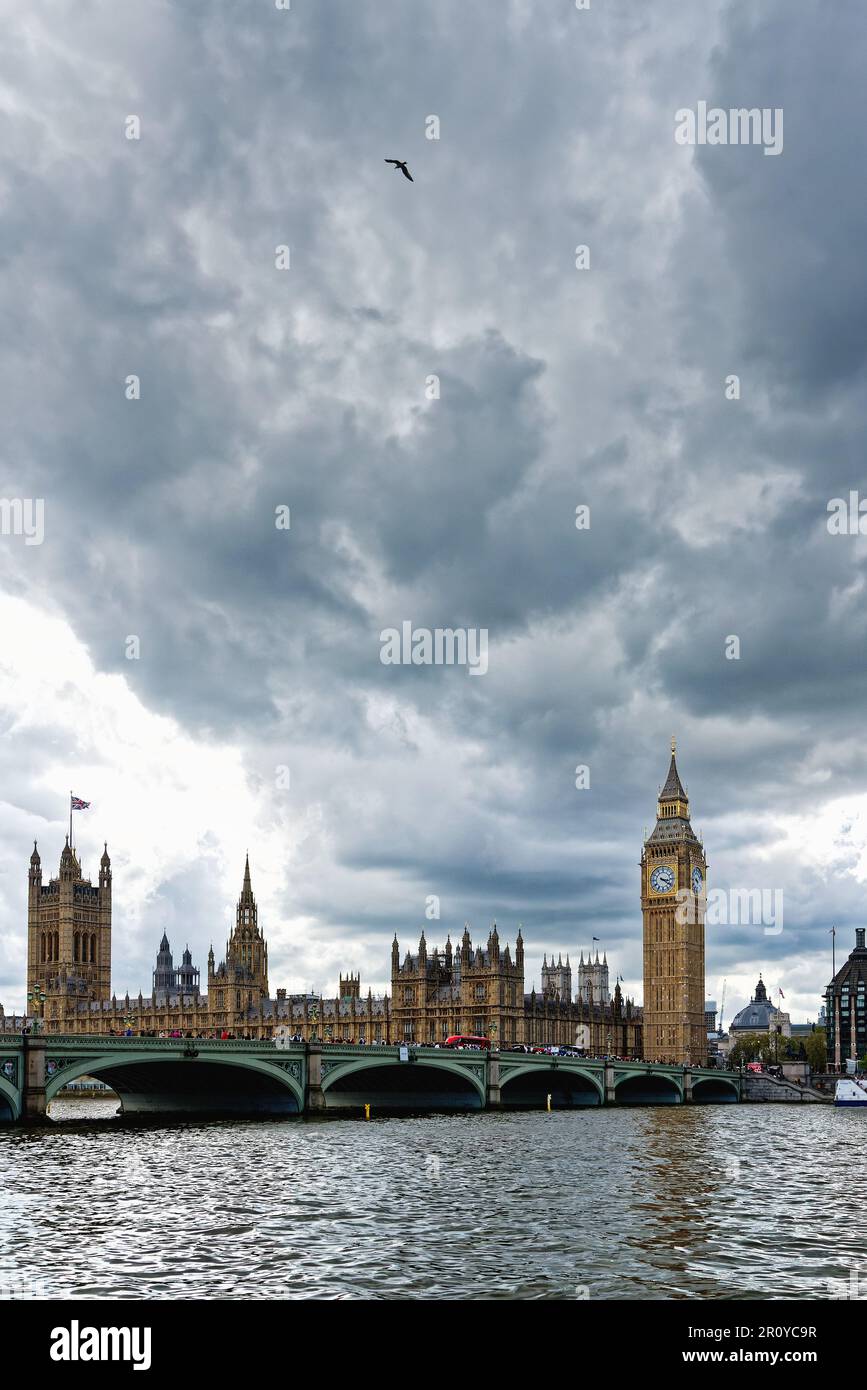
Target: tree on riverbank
{"points": [[755, 1047], [761, 1047]]}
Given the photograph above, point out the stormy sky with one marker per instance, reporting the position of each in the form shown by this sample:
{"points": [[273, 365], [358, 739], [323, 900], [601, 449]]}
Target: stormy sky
{"points": [[257, 714]]}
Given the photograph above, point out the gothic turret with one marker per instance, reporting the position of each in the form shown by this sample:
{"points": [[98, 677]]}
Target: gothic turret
{"points": [[188, 975], [466, 945], [246, 961], [164, 977], [68, 863], [34, 877]]}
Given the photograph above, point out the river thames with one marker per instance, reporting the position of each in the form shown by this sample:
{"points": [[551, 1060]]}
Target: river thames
{"points": [[728, 1202]]}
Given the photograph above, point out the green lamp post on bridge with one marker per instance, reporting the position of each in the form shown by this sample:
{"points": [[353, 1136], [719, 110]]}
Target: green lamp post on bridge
{"points": [[36, 999]]}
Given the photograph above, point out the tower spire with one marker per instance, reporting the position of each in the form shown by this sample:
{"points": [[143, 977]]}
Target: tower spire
{"points": [[673, 789]]}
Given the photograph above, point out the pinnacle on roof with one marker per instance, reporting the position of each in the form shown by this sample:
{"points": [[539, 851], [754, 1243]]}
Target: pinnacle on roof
{"points": [[673, 789], [247, 890]]}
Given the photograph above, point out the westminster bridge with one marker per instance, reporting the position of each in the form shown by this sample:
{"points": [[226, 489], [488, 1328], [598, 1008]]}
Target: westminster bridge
{"points": [[199, 1076]]}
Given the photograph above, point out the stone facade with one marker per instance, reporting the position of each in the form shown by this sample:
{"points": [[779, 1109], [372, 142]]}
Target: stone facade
{"points": [[480, 991], [471, 989]]}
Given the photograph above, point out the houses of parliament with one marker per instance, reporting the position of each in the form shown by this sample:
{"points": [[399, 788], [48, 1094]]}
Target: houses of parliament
{"points": [[435, 992]]}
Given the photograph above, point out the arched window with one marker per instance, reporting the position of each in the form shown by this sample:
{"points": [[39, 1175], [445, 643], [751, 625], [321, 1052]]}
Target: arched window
{"points": [[93, 949], [57, 945], [75, 945], [42, 948]]}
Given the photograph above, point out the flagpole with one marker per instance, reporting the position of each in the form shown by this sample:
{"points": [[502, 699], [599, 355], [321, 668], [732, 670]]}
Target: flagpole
{"points": [[70, 820], [833, 952]]}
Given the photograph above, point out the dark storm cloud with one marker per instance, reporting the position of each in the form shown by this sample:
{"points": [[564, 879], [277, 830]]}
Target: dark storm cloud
{"points": [[558, 388]]}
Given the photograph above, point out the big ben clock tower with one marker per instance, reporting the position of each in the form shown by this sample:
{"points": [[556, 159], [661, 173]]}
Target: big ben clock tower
{"points": [[673, 899]]}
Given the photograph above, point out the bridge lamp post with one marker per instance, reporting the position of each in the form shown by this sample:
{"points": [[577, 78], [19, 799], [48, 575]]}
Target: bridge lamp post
{"points": [[314, 1018], [36, 998], [493, 1031]]}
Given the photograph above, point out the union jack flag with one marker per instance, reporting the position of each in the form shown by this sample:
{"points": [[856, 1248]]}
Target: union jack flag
{"points": [[78, 804]]}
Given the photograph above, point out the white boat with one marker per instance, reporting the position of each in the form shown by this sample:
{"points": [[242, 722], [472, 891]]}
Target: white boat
{"points": [[851, 1091]]}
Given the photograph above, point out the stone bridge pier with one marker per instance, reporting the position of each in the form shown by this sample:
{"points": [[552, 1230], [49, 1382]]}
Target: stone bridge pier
{"points": [[33, 1102], [495, 1101], [316, 1101]]}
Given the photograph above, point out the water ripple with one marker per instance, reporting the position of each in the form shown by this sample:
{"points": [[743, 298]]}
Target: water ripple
{"points": [[726, 1203]]}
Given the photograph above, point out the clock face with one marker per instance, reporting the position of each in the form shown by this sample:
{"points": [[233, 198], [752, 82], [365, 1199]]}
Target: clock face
{"points": [[697, 882], [662, 879]]}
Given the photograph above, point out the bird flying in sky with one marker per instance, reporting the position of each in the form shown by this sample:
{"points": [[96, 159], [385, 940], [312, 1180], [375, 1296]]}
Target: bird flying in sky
{"points": [[401, 165]]}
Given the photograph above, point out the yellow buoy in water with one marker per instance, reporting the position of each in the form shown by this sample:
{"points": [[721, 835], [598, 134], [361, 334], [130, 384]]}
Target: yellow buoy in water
{"points": [[366, 1111], [549, 1100]]}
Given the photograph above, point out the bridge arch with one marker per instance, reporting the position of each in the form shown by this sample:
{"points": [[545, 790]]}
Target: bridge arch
{"points": [[569, 1087], [209, 1083], [10, 1102], [648, 1088], [714, 1090], [385, 1083]]}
